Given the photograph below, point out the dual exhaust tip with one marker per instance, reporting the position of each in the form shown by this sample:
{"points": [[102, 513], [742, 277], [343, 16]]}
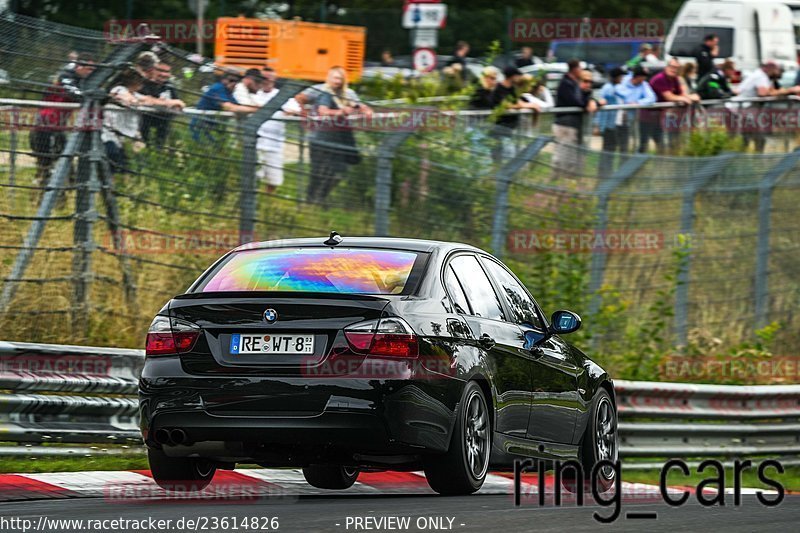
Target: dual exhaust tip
{"points": [[170, 437]]}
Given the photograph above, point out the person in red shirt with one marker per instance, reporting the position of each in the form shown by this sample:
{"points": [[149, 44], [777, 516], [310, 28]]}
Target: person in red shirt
{"points": [[667, 86], [48, 137]]}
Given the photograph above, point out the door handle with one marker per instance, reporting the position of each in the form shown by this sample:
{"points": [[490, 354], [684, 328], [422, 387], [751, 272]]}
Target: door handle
{"points": [[486, 341]]}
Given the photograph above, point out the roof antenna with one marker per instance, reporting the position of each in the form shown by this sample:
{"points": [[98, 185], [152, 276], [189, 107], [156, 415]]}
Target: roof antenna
{"points": [[333, 240]]}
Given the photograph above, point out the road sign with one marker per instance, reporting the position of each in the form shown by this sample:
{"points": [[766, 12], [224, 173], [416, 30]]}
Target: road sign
{"points": [[424, 16], [424, 38], [424, 59]]}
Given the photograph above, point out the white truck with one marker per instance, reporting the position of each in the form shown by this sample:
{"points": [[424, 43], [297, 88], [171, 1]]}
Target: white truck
{"points": [[750, 31]]}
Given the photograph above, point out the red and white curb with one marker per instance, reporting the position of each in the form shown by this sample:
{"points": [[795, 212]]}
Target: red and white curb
{"points": [[255, 484]]}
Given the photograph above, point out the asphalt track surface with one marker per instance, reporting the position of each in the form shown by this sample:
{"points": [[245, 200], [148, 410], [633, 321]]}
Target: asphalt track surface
{"points": [[493, 513]]}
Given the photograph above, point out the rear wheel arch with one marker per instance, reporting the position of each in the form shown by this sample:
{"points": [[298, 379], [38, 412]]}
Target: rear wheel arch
{"points": [[488, 393], [609, 387]]}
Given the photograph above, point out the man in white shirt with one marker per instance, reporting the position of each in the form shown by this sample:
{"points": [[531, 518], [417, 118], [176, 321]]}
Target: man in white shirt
{"points": [[246, 91], [759, 84], [272, 133]]}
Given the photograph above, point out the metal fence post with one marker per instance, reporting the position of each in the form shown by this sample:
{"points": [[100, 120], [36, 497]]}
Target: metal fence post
{"points": [[695, 183], [90, 158], [503, 178], [766, 187], [12, 157], [626, 171], [383, 179], [247, 191], [58, 177]]}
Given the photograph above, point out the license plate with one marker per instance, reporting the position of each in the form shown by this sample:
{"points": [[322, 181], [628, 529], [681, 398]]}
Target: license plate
{"points": [[245, 343]]}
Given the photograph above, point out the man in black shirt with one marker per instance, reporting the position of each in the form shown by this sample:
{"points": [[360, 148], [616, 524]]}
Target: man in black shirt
{"points": [[706, 53], [525, 58], [159, 86], [575, 90], [460, 59], [716, 84]]}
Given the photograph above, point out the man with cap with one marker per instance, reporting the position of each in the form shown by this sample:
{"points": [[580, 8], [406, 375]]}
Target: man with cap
{"points": [[645, 55], [505, 94], [610, 122], [246, 91], [633, 89], [218, 97]]}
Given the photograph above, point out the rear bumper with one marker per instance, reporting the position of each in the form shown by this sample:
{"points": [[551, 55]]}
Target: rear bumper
{"points": [[269, 419]]}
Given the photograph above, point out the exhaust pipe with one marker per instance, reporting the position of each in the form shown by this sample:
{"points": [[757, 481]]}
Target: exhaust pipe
{"points": [[162, 436], [177, 436]]}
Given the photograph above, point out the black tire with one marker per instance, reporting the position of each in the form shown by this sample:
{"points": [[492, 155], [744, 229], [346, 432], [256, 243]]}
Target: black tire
{"points": [[330, 476], [462, 469], [599, 442], [180, 474]]}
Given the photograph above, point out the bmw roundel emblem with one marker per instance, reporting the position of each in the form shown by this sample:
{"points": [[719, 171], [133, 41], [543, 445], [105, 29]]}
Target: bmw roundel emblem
{"points": [[270, 315]]}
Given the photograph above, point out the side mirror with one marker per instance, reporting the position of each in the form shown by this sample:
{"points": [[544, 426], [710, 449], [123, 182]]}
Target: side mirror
{"points": [[564, 322]]}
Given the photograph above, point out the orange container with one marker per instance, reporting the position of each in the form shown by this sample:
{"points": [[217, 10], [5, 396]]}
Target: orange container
{"points": [[295, 49]]}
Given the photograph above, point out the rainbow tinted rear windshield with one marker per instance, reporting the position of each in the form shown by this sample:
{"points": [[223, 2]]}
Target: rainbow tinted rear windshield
{"points": [[338, 270]]}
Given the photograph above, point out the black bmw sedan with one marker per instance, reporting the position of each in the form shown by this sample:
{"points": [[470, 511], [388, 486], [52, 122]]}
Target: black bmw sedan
{"points": [[348, 354]]}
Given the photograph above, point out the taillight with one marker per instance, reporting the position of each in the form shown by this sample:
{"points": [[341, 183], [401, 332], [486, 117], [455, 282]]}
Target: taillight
{"points": [[389, 337], [168, 336]]}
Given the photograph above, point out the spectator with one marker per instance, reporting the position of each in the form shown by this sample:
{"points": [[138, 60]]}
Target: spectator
{"points": [[218, 97], [539, 95], [573, 91], [667, 87], [645, 55], [459, 60], [387, 59], [688, 78], [610, 121], [706, 53], [505, 94], [308, 97], [525, 58], [119, 125], [716, 84], [482, 97], [161, 92], [634, 89], [759, 83], [246, 91], [272, 134], [47, 139], [333, 148], [145, 64]]}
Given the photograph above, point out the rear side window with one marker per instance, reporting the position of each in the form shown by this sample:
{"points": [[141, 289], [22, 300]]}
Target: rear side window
{"points": [[520, 303], [338, 270], [455, 291], [477, 287], [689, 38]]}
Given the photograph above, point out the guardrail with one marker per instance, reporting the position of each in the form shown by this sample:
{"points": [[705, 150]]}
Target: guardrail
{"points": [[69, 394], [77, 394]]}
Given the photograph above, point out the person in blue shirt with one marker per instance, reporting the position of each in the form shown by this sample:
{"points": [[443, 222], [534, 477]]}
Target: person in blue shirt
{"points": [[218, 97], [634, 89], [608, 121]]}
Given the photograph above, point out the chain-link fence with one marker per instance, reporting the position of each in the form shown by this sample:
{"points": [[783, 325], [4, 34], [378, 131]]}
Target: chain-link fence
{"points": [[94, 243]]}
